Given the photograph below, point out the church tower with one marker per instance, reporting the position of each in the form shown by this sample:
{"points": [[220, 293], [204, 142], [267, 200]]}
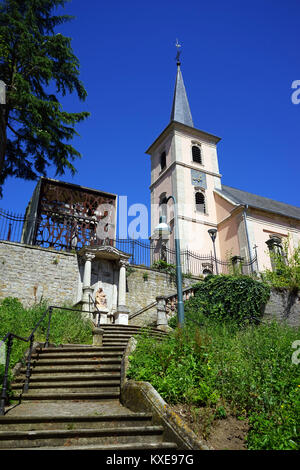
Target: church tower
{"points": [[184, 163]]}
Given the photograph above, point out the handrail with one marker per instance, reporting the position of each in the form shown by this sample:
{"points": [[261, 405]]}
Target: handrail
{"points": [[142, 310], [9, 337]]}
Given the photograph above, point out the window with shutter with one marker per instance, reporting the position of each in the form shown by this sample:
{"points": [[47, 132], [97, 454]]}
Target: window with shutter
{"points": [[196, 152], [200, 202], [163, 160]]}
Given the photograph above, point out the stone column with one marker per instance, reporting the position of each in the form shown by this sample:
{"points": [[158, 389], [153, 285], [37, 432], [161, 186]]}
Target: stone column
{"points": [[161, 313], [121, 315], [87, 289], [122, 283]]}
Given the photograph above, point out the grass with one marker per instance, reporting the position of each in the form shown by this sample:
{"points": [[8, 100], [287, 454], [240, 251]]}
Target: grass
{"points": [[66, 327], [220, 368]]}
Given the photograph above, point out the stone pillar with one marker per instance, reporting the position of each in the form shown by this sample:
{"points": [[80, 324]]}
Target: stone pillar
{"points": [[122, 283], [237, 264], [121, 315], [87, 289], [161, 312], [98, 336]]}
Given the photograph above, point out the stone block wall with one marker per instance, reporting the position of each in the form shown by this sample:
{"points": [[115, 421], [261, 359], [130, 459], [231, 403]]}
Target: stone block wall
{"points": [[143, 286], [283, 306], [32, 274]]}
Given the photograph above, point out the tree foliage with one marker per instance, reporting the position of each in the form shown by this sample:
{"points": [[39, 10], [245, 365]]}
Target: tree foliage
{"points": [[38, 65]]}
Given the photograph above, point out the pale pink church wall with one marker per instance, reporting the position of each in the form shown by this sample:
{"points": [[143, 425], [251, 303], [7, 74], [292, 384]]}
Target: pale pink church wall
{"points": [[263, 225], [228, 237], [223, 208], [227, 229]]}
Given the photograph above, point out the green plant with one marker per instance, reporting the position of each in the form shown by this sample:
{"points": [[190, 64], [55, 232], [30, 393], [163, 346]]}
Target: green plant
{"points": [[286, 272], [241, 298], [222, 367], [66, 327], [165, 267], [145, 276], [129, 271]]}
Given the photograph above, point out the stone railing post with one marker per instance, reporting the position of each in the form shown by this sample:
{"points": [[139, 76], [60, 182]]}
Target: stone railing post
{"points": [[98, 336], [161, 322]]}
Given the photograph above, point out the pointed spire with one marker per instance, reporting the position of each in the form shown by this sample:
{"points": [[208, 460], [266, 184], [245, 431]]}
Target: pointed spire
{"points": [[181, 109]]}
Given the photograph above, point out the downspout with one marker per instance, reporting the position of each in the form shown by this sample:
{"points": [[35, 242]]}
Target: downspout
{"points": [[247, 234]]}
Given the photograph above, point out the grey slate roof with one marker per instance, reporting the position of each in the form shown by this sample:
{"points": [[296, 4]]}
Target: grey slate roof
{"points": [[252, 200], [181, 109]]}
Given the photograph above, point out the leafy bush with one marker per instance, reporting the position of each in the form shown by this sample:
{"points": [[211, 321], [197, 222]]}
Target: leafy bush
{"points": [[222, 366], [240, 298], [286, 273]]}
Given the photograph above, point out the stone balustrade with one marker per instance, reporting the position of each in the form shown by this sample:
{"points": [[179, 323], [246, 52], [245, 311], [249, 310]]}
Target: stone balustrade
{"points": [[167, 305]]}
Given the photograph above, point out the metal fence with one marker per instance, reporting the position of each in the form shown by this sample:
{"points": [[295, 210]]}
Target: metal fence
{"points": [[11, 226], [142, 252]]}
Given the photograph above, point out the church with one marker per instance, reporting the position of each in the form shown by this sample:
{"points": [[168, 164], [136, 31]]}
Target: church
{"points": [[184, 163]]}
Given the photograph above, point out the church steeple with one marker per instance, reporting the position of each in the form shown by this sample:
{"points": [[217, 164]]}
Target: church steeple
{"points": [[181, 109]]}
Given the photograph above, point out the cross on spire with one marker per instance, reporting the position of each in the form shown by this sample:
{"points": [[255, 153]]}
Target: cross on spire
{"points": [[178, 46]]}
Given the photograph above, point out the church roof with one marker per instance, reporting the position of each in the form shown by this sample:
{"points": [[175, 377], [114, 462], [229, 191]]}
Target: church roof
{"points": [[240, 197], [181, 109]]}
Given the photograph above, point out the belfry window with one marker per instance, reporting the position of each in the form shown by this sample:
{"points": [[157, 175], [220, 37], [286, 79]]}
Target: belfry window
{"points": [[200, 202], [163, 160], [196, 153]]}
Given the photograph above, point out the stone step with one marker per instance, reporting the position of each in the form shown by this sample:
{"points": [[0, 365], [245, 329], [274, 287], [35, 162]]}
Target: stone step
{"points": [[77, 355], [68, 396], [68, 384], [83, 388], [67, 437], [112, 376], [67, 349], [33, 423], [114, 447], [131, 330], [75, 368], [69, 362]]}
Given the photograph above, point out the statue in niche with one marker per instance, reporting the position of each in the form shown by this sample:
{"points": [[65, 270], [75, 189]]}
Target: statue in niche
{"points": [[100, 299]]}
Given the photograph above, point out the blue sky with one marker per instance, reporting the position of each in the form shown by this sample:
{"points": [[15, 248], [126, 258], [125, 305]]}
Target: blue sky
{"points": [[239, 60]]}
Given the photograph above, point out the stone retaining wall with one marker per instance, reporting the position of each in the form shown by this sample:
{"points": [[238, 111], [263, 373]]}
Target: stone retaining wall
{"points": [[283, 306], [32, 274], [143, 286]]}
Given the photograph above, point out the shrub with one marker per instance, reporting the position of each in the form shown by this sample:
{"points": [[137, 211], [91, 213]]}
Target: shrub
{"points": [[286, 274], [240, 298]]}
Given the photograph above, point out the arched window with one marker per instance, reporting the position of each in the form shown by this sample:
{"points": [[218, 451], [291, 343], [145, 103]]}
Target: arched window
{"points": [[163, 160], [196, 152], [163, 204], [200, 202]]}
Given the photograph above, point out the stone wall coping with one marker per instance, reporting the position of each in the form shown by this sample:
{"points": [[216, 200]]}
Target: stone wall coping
{"points": [[39, 248]]}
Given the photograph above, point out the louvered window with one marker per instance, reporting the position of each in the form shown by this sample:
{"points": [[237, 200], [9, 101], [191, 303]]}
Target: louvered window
{"points": [[196, 152], [200, 202], [163, 160]]}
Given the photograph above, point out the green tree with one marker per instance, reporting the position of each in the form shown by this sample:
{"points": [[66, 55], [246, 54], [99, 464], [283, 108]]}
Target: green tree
{"points": [[37, 66]]}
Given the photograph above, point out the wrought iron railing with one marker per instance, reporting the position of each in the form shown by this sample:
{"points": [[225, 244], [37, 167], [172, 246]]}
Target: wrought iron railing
{"points": [[142, 252], [11, 226], [8, 341]]}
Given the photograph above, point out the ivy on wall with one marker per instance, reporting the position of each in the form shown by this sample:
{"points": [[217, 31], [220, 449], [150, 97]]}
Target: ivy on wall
{"points": [[240, 298]]}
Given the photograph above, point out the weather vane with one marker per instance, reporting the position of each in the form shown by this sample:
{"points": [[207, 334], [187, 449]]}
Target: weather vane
{"points": [[178, 46]]}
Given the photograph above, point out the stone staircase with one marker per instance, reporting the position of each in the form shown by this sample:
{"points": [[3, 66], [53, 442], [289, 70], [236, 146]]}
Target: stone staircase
{"points": [[73, 401]]}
